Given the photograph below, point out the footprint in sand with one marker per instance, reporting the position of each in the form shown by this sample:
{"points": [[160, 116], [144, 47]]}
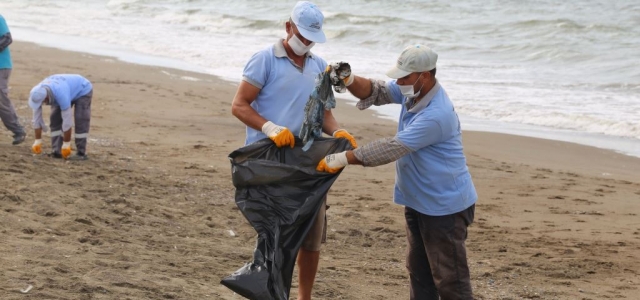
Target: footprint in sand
{"points": [[585, 201], [605, 191], [385, 220]]}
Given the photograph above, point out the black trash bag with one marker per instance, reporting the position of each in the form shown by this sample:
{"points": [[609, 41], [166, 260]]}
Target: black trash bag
{"points": [[279, 192]]}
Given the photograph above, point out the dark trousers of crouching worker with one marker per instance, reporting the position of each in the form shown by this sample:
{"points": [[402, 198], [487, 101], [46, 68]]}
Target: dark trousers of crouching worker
{"points": [[437, 256], [7, 111], [81, 118]]}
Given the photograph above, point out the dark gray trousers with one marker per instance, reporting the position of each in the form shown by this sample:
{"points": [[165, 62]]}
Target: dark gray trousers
{"points": [[7, 111], [81, 118], [437, 256]]}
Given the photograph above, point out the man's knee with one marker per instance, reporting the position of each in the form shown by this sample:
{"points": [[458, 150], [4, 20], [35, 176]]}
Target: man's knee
{"points": [[317, 233]]}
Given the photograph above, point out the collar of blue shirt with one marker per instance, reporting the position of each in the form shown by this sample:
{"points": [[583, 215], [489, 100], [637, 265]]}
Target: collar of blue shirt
{"points": [[416, 106]]}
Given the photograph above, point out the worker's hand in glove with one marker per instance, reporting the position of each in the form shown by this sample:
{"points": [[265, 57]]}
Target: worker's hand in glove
{"points": [[37, 146], [340, 75], [333, 163], [341, 71], [341, 133], [280, 135], [66, 150]]}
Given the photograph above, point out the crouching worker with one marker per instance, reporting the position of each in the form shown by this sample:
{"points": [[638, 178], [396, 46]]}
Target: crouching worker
{"points": [[63, 92]]}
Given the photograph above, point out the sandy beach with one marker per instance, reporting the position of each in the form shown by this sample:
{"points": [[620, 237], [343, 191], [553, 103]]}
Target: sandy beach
{"points": [[149, 215]]}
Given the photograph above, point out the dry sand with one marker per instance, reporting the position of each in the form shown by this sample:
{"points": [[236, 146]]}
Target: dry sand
{"points": [[148, 216]]}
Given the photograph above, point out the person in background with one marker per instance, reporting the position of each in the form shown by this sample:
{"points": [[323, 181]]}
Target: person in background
{"points": [[7, 111], [63, 92], [270, 101], [432, 178]]}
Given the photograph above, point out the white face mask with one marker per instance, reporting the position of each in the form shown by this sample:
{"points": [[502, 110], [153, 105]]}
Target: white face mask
{"points": [[407, 90], [298, 47]]}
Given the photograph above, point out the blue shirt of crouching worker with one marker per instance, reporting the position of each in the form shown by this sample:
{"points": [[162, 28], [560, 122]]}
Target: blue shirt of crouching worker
{"points": [[63, 90]]}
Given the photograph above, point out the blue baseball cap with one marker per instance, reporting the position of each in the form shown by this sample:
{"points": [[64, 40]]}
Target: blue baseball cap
{"points": [[308, 19]]}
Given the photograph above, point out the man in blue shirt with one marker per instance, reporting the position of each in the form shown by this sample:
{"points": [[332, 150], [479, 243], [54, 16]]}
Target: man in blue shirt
{"points": [[63, 92], [7, 111], [432, 178], [276, 84]]}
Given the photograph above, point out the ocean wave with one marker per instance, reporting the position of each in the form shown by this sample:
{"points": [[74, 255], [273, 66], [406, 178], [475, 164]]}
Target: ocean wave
{"points": [[192, 11], [360, 19], [134, 8], [224, 23], [555, 27], [560, 120]]}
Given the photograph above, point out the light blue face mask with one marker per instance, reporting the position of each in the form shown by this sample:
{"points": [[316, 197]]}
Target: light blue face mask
{"points": [[408, 90]]}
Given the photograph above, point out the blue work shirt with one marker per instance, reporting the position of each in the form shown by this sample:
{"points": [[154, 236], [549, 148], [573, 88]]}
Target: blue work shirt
{"points": [[5, 55], [284, 87], [434, 178], [66, 88]]}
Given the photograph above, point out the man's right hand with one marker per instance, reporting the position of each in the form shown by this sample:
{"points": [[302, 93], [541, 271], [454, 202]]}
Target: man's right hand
{"points": [[280, 135], [65, 151], [37, 147], [333, 163]]}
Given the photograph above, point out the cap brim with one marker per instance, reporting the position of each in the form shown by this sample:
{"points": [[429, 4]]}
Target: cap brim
{"points": [[33, 105], [396, 73], [316, 37]]}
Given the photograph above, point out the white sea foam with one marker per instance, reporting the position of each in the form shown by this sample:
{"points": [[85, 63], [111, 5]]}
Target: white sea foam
{"points": [[562, 66]]}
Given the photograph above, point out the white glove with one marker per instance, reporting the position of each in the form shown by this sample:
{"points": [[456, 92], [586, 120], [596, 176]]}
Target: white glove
{"points": [[341, 71], [37, 146], [341, 133], [279, 134], [333, 163], [65, 151]]}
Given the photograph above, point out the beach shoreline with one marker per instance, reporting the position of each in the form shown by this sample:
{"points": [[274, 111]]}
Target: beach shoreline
{"points": [[148, 216], [623, 145]]}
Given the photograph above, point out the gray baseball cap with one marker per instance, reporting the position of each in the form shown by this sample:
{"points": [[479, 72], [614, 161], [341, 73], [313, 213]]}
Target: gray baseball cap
{"points": [[418, 58]]}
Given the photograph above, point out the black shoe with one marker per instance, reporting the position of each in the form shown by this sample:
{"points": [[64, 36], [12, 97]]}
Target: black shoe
{"points": [[54, 155], [78, 157], [19, 138]]}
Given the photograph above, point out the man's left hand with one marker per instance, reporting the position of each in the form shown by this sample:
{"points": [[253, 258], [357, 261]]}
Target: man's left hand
{"points": [[341, 133]]}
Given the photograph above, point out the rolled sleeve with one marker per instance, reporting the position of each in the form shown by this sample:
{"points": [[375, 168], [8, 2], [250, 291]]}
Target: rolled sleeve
{"points": [[381, 93], [381, 152], [37, 121]]}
